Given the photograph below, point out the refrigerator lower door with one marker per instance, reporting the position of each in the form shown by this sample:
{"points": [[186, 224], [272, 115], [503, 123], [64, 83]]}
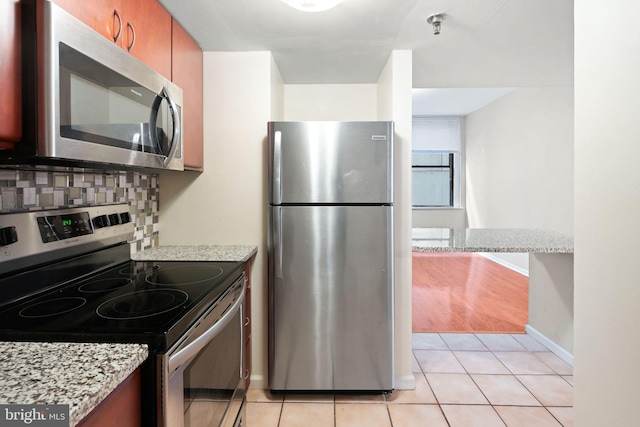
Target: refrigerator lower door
{"points": [[331, 298]]}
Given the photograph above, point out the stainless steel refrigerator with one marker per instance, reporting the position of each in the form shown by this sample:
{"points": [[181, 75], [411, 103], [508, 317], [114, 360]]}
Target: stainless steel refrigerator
{"points": [[330, 251]]}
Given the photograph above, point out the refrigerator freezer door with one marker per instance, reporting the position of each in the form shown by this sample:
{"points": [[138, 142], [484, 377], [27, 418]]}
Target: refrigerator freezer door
{"points": [[331, 298], [330, 162]]}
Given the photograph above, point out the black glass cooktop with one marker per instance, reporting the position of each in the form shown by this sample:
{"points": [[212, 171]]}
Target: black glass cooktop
{"points": [[143, 302]]}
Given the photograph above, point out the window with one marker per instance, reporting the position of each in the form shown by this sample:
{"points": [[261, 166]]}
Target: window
{"points": [[432, 178], [436, 162]]}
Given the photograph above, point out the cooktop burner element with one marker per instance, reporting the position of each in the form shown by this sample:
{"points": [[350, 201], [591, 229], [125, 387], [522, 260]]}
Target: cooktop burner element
{"points": [[104, 285], [134, 269], [137, 305], [184, 275], [52, 307]]}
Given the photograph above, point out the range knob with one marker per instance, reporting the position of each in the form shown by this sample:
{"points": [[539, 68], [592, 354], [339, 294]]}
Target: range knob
{"points": [[8, 235], [114, 219], [125, 217], [101, 221]]}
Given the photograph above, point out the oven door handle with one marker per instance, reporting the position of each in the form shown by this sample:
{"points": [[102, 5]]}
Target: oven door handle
{"points": [[190, 351]]}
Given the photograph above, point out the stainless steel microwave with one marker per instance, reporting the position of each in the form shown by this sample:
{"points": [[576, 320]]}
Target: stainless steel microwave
{"points": [[89, 103]]}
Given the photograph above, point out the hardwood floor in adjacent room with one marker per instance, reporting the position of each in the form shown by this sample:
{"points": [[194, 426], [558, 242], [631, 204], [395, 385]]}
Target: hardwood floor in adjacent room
{"points": [[466, 292]]}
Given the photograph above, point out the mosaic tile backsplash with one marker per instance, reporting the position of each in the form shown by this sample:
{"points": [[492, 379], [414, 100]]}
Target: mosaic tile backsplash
{"points": [[38, 190]]}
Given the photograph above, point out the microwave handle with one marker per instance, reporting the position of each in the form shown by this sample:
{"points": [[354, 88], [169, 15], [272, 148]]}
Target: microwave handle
{"points": [[164, 94], [175, 141]]}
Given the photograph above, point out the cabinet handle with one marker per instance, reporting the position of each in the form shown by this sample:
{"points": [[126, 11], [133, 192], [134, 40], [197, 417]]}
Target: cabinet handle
{"points": [[133, 41], [247, 321], [246, 374], [117, 15]]}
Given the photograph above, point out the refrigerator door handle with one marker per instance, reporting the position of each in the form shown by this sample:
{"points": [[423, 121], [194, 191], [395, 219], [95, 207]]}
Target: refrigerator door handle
{"points": [[277, 181], [277, 225]]}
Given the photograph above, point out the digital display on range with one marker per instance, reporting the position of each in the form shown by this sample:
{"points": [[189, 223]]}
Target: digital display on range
{"points": [[60, 227]]}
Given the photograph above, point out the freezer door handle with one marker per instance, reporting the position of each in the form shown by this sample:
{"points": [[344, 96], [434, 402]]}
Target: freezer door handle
{"points": [[277, 238], [277, 179]]}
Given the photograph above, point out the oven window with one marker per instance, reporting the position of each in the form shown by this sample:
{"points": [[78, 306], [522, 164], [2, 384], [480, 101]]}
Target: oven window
{"points": [[213, 376]]}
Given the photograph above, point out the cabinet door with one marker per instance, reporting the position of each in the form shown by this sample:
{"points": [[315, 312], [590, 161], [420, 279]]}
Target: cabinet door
{"points": [[104, 16], [147, 33], [187, 73], [10, 79]]}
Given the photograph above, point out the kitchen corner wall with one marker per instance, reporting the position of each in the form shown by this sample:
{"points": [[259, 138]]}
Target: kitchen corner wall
{"points": [[23, 190]]}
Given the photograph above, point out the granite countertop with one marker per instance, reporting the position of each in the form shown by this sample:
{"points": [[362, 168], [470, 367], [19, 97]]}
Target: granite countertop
{"points": [[197, 253], [490, 240], [78, 374]]}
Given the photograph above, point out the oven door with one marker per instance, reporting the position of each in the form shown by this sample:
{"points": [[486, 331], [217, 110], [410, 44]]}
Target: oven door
{"points": [[202, 377]]}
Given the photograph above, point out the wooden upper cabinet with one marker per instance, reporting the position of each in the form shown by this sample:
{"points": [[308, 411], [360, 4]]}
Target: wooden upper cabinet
{"points": [[187, 72], [147, 33], [142, 27], [10, 74], [104, 16]]}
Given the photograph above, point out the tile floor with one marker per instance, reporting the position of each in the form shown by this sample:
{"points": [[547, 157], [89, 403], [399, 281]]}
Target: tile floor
{"points": [[462, 380]]}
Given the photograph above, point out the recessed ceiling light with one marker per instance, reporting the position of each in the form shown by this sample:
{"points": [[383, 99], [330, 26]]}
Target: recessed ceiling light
{"points": [[313, 5]]}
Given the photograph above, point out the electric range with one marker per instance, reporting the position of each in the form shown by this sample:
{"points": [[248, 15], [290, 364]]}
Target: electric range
{"points": [[66, 276]]}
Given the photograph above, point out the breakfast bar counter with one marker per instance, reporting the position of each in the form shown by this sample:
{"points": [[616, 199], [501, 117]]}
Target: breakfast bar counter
{"points": [[490, 240]]}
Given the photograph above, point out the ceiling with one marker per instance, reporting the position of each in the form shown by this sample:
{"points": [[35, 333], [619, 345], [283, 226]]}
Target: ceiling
{"points": [[483, 43]]}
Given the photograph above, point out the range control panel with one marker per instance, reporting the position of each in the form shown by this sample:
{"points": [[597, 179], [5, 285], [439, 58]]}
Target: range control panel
{"points": [[58, 227], [42, 236]]}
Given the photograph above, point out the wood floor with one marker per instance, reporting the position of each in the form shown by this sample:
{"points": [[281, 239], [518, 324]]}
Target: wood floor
{"points": [[465, 292]]}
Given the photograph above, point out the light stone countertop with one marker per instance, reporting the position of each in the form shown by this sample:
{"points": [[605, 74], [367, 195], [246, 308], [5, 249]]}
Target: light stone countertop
{"points": [[490, 240], [197, 253], [78, 374]]}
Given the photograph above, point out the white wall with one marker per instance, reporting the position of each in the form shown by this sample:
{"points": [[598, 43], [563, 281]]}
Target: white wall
{"points": [[607, 213], [341, 102], [226, 204], [394, 103], [519, 162]]}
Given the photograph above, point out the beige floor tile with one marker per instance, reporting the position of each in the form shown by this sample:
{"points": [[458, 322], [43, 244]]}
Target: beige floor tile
{"points": [[421, 394], [307, 414], [427, 342], [520, 416], [415, 366], [564, 415], [504, 390], [258, 395], [360, 398], [438, 361], [261, 414], [455, 389], [463, 342], [529, 343], [550, 390], [417, 415], [309, 397], [558, 365], [522, 363], [500, 342], [471, 416], [358, 415], [480, 362], [568, 378]]}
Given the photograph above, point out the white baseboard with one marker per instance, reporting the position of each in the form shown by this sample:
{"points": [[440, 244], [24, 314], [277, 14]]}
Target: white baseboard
{"points": [[552, 346], [258, 382], [504, 263], [405, 382]]}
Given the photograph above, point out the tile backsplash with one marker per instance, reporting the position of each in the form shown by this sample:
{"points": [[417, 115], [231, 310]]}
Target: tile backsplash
{"points": [[22, 190]]}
